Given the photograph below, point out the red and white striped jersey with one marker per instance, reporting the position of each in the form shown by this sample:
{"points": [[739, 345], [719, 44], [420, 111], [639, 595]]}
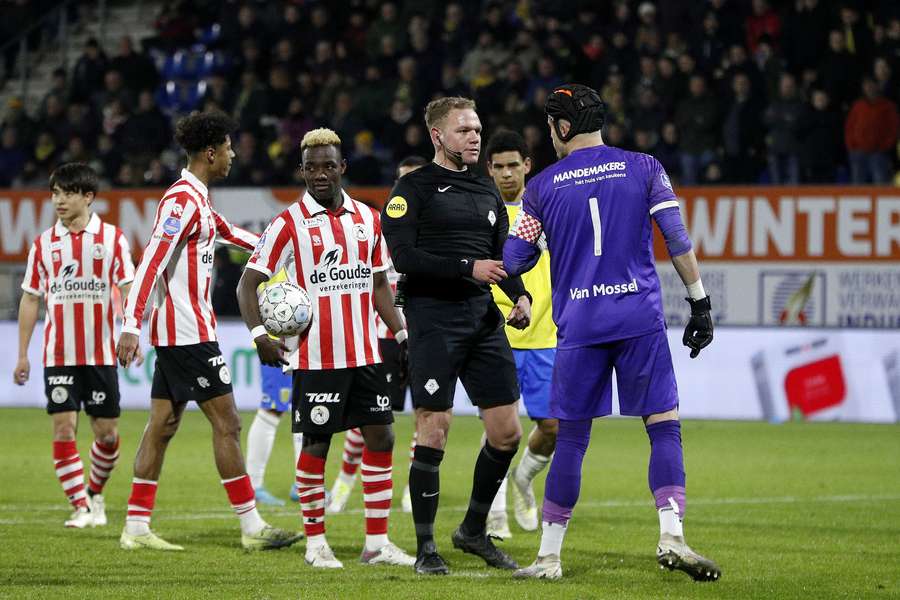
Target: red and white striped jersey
{"points": [[178, 262], [333, 255], [393, 277], [75, 273]]}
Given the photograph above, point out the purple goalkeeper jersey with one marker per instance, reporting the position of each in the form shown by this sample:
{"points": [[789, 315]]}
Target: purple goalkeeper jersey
{"points": [[594, 207]]}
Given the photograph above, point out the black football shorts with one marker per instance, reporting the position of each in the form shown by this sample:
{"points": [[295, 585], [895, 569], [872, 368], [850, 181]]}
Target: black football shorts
{"points": [[326, 401], [94, 387], [465, 339], [195, 372]]}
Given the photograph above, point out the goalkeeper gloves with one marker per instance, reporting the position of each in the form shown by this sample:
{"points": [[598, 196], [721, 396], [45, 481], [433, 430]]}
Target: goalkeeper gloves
{"points": [[699, 331]]}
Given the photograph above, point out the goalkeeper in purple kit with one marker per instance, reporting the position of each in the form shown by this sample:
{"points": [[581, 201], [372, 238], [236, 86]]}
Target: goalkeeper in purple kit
{"points": [[594, 209]]}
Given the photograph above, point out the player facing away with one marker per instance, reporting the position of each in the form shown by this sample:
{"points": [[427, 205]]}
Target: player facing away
{"points": [[73, 267], [398, 383], [331, 246], [595, 206], [275, 401], [177, 265], [534, 348]]}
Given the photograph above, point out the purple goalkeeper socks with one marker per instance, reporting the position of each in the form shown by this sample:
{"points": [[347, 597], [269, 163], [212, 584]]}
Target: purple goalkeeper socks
{"points": [[564, 479], [666, 473]]}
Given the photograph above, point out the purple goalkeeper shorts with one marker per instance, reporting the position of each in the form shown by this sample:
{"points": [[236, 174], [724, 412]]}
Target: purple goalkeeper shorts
{"points": [[645, 379]]}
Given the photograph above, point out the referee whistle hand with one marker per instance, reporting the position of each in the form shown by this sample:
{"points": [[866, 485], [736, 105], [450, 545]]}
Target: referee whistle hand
{"points": [[127, 349], [271, 352], [488, 271]]}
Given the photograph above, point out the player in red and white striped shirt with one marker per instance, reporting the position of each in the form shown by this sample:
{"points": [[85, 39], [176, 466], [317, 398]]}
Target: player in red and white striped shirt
{"points": [[397, 385], [74, 266], [334, 250], [189, 366]]}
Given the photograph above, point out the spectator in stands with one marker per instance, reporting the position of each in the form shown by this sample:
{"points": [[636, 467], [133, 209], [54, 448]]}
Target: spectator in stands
{"points": [[45, 153], [364, 167], [147, 131], [741, 134], [647, 35], [114, 116], [822, 140], [805, 34], [838, 70], [486, 50], [243, 25], [709, 46], [857, 35], [297, 122], [667, 153], [373, 96], [12, 156], [75, 152], [387, 25], [784, 119], [870, 133], [219, 92], [668, 85], [770, 65], [453, 32], [59, 89], [546, 78], [83, 123], [539, 147], [252, 101], [109, 157], [156, 174], [887, 82], [137, 69], [174, 25], [54, 119], [451, 82], [763, 20], [280, 92], [251, 165], [87, 75], [697, 119], [648, 115], [113, 89], [415, 142]]}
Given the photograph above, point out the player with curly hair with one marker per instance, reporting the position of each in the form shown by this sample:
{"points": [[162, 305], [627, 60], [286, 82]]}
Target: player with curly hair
{"points": [[177, 265]]}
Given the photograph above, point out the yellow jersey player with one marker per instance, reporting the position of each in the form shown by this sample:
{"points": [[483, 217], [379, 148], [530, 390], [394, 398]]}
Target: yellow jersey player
{"points": [[534, 348]]}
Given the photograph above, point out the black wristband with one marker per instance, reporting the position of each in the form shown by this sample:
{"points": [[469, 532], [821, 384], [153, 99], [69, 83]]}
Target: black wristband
{"points": [[466, 266], [527, 295]]}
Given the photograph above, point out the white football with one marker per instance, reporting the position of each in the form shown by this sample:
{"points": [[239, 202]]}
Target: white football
{"points": [[285, 309]]}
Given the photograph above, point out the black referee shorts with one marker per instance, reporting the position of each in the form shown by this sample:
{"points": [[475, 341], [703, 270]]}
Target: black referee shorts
{"points": [[450, 339]]}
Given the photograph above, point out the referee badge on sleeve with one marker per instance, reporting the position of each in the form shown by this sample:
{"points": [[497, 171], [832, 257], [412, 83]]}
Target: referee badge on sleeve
{"points": [[396, 207]]}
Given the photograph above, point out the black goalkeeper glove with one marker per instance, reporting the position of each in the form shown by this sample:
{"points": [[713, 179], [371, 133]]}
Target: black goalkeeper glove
{"points": [[699, 331], [403, 363]]}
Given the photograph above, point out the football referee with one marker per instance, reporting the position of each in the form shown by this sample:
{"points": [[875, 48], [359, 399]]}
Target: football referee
{"points": [[445, 228]]}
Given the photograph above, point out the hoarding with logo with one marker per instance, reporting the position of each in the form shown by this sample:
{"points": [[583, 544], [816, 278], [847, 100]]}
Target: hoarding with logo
{"points": [[776, 256], [748, 373]]}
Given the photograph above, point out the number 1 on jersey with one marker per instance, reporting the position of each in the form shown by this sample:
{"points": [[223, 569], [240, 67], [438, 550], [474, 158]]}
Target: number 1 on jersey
{"points": [[595, 219]]}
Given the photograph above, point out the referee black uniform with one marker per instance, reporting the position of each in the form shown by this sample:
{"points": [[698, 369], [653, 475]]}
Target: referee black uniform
{"points": [[437, 222]]}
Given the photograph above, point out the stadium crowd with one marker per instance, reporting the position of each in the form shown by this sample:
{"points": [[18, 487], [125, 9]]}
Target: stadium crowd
{"points": [[721, 91]]}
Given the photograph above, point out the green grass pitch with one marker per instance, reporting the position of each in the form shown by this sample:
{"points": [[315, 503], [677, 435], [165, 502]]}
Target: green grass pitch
{"points": [[792, 511]]}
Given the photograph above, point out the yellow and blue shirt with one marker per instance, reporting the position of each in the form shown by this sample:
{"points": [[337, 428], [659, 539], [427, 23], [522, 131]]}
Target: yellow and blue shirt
{"points": [[542, 331]]}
